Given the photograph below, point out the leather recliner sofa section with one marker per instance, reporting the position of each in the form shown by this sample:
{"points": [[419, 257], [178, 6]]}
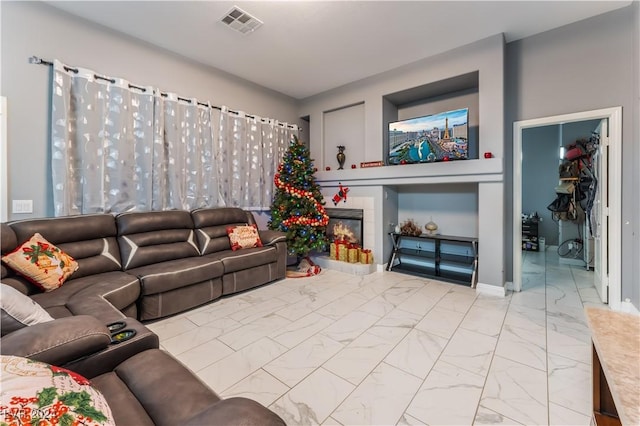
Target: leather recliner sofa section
{"points": [[141, 384], [147, 265]]}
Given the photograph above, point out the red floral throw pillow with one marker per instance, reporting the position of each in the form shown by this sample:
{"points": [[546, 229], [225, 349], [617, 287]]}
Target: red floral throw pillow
{"points": [[36, 393], [41, 262], [243, 236]]}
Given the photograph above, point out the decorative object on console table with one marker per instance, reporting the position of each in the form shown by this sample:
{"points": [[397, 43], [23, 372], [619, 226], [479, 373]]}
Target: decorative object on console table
{"points": [[443, 257], [409, 227], [341, 157], [431, 227]]}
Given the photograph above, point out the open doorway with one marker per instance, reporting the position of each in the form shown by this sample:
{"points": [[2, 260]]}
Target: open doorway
{"points": [[600, 253]]}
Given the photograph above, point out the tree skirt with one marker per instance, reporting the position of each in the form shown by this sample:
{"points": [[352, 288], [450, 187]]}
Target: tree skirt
{"points": [[306, 268]]}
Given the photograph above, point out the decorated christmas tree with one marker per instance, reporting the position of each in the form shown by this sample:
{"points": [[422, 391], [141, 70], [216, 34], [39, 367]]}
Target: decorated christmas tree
{"points": [[298, 205]]}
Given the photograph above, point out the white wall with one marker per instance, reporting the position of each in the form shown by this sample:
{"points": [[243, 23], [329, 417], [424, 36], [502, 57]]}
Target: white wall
{"points": [[34, 28], [345, 127]]}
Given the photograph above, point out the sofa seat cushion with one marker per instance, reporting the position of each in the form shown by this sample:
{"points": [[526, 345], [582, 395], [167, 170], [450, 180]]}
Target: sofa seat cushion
{"points": [[173, 274], [127, 408], [101, 295], [152, 378], [246, 258]]}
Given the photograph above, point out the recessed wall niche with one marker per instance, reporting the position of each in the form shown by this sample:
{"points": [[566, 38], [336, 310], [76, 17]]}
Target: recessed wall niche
{"points": [[452, 206], [440, 96], [344, 126]]}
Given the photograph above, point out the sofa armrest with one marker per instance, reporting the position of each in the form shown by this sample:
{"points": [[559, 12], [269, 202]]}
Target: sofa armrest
{"points": [[59, 341], [236, 411], [108, 358], [269, 238]]}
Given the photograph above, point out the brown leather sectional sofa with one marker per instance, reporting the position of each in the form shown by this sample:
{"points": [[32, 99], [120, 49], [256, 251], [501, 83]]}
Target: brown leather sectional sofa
{"points": [[136, 267], [147, 265]]}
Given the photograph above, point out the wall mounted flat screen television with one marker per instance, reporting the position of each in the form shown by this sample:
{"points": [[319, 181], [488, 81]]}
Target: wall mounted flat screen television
{"points": [[437, 137]]}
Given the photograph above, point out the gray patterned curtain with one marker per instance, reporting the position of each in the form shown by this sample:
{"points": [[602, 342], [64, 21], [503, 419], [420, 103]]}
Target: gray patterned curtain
{"points": [[117, 147]]}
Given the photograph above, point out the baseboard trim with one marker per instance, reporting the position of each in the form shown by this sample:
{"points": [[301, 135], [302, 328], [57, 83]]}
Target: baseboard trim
{"points": [[491, 290], [629, 308], [508, 286]]}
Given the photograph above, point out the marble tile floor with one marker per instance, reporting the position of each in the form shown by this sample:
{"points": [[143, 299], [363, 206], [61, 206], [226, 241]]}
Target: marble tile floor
{"points": [[394, 349]]}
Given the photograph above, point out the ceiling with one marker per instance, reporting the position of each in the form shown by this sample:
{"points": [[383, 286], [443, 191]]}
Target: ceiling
{"points": [[307, 47]]}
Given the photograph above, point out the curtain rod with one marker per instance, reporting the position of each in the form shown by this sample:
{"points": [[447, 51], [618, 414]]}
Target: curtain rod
{"points": [[40, 61]]}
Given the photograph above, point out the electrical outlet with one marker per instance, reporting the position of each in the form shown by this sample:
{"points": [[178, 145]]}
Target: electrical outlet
{"points": [[22, 206]]}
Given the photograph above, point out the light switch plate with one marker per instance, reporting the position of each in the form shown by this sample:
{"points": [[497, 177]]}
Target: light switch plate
{"points": [[22, 206]]}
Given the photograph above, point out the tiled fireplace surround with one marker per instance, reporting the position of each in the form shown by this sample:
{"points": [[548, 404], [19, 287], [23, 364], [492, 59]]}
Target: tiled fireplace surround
{"points": [[366, 204]]}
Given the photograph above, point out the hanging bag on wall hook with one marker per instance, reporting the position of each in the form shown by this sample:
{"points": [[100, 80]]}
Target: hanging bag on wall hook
{"points": [[560, 204]]}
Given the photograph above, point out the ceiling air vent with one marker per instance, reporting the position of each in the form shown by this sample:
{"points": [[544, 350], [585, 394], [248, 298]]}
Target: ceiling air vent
{"points": [[241, 21]]}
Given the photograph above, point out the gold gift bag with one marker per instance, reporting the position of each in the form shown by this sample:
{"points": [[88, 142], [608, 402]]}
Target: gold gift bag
{"points": [[342, 252], [353, 255], [333, 252], [366, 256]]}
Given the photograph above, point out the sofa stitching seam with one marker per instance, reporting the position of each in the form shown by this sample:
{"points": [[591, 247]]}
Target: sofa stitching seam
{"points": [[58, 344], [158, 274]]}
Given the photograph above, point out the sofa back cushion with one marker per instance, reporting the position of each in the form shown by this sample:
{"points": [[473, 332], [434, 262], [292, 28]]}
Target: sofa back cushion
{"points": [[211, 226], [152, 237], [89, 239]]}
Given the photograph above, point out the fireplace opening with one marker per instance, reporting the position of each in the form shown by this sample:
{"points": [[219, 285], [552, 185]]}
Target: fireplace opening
{"points": [[345, 224]]}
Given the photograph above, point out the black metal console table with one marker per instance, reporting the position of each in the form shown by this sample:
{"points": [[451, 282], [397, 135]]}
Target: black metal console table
{"points": [[444, 257]]}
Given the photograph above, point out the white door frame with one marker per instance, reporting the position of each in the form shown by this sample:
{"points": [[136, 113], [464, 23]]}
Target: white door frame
{"points": [[615, 192], [4, 173]]}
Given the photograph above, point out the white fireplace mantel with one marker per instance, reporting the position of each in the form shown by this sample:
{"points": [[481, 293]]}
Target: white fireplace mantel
{"points": [[481, 170]]}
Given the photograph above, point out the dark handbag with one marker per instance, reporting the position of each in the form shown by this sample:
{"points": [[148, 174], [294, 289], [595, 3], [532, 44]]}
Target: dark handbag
{"points": [[561, 203]]}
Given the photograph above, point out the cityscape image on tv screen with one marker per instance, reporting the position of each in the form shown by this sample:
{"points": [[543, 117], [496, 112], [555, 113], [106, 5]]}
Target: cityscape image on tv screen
{"points": [[437, 137]]}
